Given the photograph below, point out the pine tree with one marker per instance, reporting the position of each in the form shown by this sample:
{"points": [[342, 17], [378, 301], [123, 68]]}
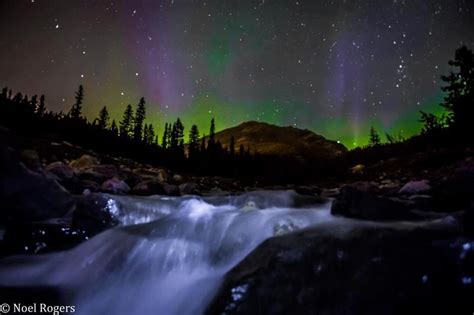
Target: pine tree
{"points": [[126, 124], [193, 141], [34, 103], [145, 134], [103, 120], [241, 150], [460, 91], [41, 109], [374, 138], [151, 135], [139, 119], [76, 109], [232, 146], [164, 140], [113, 128]]}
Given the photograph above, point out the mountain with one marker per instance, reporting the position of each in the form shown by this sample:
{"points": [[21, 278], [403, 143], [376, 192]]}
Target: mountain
{"points": [[270, 139]]}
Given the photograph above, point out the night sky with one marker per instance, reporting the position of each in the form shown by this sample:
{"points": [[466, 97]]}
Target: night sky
{"points": [[335, 67]]}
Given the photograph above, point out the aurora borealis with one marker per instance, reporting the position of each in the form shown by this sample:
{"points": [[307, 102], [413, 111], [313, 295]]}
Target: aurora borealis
{"points": [[335, 67]]}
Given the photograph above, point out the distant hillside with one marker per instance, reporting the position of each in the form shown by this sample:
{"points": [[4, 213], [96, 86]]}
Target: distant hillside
{"points": [[270, 139]]}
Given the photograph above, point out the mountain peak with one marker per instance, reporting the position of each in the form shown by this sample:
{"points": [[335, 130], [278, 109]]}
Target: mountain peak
{"points": [[266, 138]]}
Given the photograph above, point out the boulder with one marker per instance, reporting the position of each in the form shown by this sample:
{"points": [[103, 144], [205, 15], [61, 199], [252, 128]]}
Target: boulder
{"points": [[189, 189], [177, 179], [62, 171], [31, 160], [171, 190], [148, 187], [93, 214], [27, 195], [353, 269], [415, 187], [358, 169], [362, 201], [115, 186], [85, 161]]}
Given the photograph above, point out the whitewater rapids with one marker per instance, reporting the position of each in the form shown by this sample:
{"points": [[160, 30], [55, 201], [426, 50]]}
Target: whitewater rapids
{"points": [[168, 255]]}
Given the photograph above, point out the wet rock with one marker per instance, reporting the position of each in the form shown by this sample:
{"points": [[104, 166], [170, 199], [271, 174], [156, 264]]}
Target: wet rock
{"points": [[415, 187], [330, 192], [61, 170], [361, 269], [115, 186], [31, 160], [171, 190], [177, 179], [362, 201], [85, 161], [93, 214], [27, 195], [89, 185], [148, 187], [189, 189]]}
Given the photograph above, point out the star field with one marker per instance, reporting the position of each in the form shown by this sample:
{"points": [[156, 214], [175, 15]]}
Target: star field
{"points": [[335, 67]]}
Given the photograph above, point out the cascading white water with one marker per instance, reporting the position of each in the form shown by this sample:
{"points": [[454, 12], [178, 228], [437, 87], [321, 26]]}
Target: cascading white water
{"points": [[168, 256]]}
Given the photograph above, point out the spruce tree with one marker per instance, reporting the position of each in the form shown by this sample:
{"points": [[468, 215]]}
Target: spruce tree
{"points": [[193, 141], [76, 110], [459, 99], [103, 120], [41, 109], [113, 128], [232, 146], [374, 138], [139, 119], [126, 124], [164, 140]]}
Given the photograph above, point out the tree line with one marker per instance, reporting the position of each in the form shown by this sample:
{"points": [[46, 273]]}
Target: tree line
{"points": [[456, 123], [132, 136]]}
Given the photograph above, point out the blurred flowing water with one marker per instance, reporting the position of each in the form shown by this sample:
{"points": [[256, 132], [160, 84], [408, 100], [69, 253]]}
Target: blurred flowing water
{"points": [[168, 256]]}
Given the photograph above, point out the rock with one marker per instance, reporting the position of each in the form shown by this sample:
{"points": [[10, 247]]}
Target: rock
{"points": [[357, 269], [85, 161], [148, 187], [177, 179], [62, 171], [29, 196], [171, 190], [31, 160], [115, 186], [189, 189], [330, 193], [358, 169], [93, 214], [361, 201], [89, 185], [162, 175], [415, 187], [455, 193]]}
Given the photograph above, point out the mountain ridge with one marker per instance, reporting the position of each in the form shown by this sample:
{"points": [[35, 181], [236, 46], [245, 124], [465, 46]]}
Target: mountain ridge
{"points": [[266, 138]]}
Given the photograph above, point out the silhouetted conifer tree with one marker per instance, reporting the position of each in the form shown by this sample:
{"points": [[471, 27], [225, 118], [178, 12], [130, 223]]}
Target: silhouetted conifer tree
{"points": [[103, 120], [76, 109], [164, 140], [113, 129], [459, 99], [232, 146], [374, 138], [41, 109], [126, 124], [139, 119], [193, 141]]}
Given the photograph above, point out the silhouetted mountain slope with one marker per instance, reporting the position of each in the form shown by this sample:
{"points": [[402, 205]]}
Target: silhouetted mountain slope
{"points": [[270, 139]]}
